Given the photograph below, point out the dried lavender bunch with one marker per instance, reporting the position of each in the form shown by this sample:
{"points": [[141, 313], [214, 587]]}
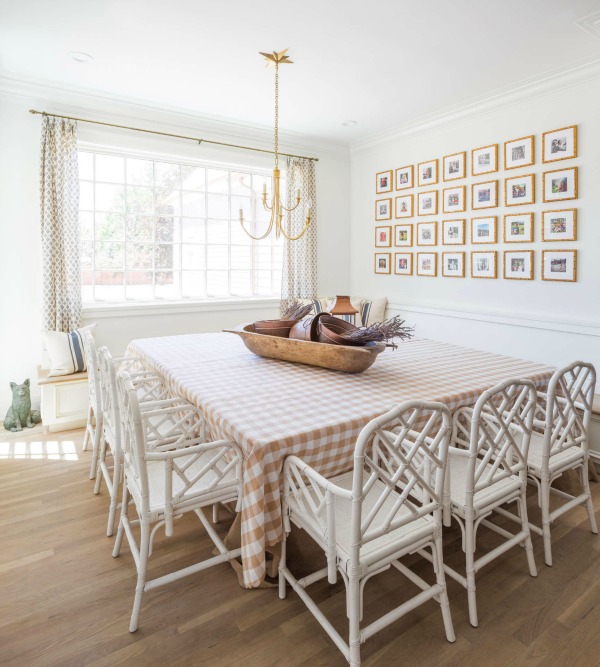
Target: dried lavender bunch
{"points": [[382, 332], [296, 311]]}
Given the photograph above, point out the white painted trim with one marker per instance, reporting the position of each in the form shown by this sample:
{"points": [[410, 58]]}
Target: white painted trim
{"points": [[497, 317], [550, 83], [101, 311]]}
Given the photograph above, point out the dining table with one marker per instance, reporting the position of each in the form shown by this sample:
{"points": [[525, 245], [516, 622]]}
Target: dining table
{"points": [[273, 408]]}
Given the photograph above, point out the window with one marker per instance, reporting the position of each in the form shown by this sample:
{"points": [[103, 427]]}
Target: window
{"points": [[155, 229]]}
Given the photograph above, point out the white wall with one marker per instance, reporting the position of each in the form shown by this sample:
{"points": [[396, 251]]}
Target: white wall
{"points": [[20, 271], [548, 322]]}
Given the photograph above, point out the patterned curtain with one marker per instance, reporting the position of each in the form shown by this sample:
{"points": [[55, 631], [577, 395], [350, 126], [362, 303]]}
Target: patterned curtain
{"points": [[60, 225], [299, 279]]}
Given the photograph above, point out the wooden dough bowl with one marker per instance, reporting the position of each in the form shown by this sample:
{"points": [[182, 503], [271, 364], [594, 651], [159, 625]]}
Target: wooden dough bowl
{"points": [[345, 358]]}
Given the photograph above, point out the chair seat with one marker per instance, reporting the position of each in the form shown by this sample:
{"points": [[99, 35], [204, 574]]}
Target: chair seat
{"points": [[375, 549], [559, 461], [457, 466], [156, 481]]}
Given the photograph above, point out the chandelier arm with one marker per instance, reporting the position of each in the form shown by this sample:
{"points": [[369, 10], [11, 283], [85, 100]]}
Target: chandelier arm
{"points": [[289, 210], [258, 238], [295, 238]]}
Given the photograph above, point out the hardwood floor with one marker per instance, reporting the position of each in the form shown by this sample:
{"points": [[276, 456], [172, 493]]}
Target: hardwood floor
{"points": [[65, 601]]}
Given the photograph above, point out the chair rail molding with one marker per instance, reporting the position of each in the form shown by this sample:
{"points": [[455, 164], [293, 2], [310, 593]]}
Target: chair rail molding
{"points": [[582, 328]]}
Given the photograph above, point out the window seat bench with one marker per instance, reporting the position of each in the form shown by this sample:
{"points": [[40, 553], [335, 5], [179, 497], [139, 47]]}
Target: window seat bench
{"points": [[64, 400]]}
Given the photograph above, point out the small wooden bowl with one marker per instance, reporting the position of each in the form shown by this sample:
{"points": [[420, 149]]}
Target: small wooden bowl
{"points": [[279, 328], [331, 330]]}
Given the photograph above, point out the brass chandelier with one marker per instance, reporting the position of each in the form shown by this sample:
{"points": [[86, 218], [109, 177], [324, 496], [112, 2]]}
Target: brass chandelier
{"points": [[278, 210]]}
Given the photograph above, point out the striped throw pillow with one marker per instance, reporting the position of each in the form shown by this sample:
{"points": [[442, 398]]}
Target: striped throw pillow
{"points": [[65, 351]]}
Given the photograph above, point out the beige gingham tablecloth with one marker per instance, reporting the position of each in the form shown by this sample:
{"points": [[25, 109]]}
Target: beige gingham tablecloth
{"points": [[274, 408]]}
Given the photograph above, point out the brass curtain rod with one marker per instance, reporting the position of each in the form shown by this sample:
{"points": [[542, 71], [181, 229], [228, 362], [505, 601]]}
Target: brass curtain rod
{"points": [[168, 134]]}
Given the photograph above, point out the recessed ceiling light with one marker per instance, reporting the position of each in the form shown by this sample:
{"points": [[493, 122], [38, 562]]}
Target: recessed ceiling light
{"points": [[81, 57], [349, 123]]}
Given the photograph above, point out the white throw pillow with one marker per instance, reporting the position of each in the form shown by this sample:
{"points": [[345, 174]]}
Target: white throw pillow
{"points": [[66, 350]]}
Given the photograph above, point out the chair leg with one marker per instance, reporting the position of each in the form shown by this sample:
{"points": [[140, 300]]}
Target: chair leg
{"points": [[522, 508], [121, 528], [141, 578], [86, 437], [215, 513], [589, 505], [96, 447], [470, 570], [101, 459], [282, 566], [545, 491], [113, 496], [353, 592], [438, 557]]}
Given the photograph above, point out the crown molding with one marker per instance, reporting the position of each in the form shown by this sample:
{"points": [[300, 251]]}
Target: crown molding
{"points": [[550, 83], [70, 100], [590, 24]]}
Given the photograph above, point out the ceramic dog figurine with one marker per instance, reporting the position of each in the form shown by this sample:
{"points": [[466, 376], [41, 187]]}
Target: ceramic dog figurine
{"points": [[20, 413]]}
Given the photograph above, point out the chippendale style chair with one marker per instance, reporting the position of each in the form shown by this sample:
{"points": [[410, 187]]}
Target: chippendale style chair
{"points": [[169, 473], [365, 520], [95, 420], [487, 468]]}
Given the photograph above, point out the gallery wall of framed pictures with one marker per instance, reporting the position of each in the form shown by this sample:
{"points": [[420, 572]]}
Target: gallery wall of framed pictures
{"points": [[515, 195]]}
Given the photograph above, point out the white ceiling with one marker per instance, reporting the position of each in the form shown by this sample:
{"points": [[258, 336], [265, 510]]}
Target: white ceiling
{"points": [[382, 63]]}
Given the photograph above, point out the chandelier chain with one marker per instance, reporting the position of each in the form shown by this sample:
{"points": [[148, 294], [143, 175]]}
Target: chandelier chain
{"points": [[276, 115]]}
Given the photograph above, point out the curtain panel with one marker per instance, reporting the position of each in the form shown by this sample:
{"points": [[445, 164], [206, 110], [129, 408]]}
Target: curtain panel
{"points": [[299, 278], [61, 264]]}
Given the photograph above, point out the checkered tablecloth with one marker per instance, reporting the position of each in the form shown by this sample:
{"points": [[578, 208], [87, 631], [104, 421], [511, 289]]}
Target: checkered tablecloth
{"points": [[274, 408]]}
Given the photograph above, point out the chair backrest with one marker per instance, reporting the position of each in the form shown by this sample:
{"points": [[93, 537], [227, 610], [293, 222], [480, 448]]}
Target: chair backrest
{"points": [[407, 450], [568, 409], [110, 398], [500, 431], [91, 362]]}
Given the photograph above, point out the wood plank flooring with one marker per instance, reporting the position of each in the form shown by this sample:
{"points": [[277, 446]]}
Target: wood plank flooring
{"points": [[65, 601]]}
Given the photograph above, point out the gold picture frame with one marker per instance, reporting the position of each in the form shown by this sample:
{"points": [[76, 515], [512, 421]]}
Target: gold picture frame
{"points": [[434, 197], [447, 239], [424, 180], [434, 270], [461, 253], [546, 174], [450, 164], [494, 264], [527, 274], [409, 169], [385, 268], [420, 230], [403, 243], [385, 215], [379, 243], [549, 266], [475, 169], [555, 145], [492, 236], [510, 200], [528, 145], [462, 195], [399, 213], [409, 258], [569, 212], [477, 202], [388, 175], [509, 237]]}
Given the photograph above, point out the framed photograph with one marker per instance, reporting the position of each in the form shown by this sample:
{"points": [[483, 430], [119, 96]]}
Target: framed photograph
{"points": [[384, 182], [383, 209], [383, 262], [427, 233], [559, 184], [559, 265], [427, 203], [518, 228], [484, 195], [559, 144], [405, 178], [483, 264], [404, 206], [484, 230], [428, 173], [427, 264], [453, 232], [455, 166], [403, 263], [519, 190], [519, 153], [559, 225], [484, 160], [453, 264], [383, 237], [403, 236], [454, 199], [518, 264]]}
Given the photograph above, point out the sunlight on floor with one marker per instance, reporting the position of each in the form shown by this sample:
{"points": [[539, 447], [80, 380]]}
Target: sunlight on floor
{"points": [[52, 449]]}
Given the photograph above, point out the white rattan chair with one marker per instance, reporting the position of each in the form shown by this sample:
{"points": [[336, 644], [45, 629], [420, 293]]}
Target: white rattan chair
{"points": [[487, 469], [173, 473], [366, 519], [149, 387], [560, 442], [95, 420]]}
